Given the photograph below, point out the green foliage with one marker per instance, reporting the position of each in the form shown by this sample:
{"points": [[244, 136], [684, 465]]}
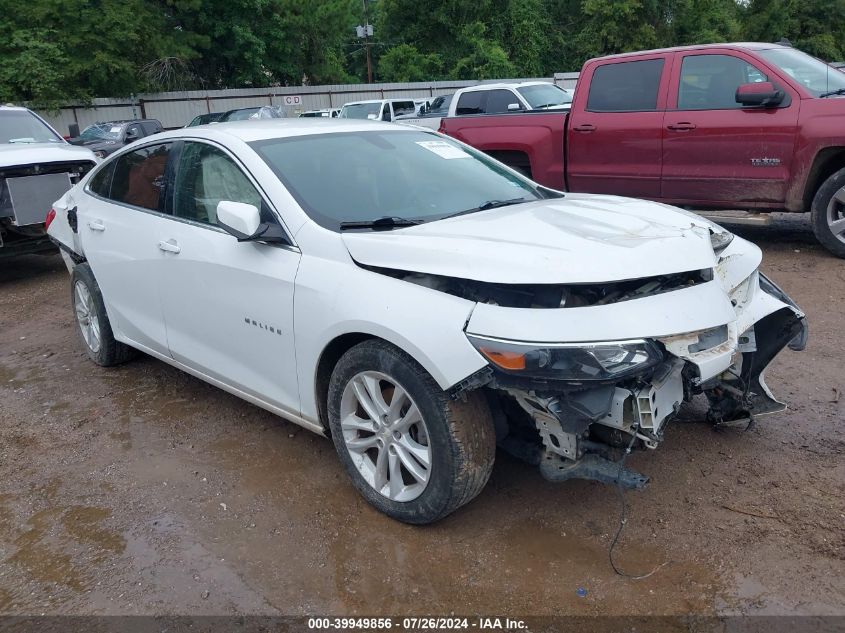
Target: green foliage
{"points": [[53, 51]]}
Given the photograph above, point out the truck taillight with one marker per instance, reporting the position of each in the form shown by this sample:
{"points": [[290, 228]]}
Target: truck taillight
{"points": [[51, 215], [442, 128]]}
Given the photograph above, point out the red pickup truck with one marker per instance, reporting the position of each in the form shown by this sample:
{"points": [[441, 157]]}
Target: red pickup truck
{"points": [[758, 127]]}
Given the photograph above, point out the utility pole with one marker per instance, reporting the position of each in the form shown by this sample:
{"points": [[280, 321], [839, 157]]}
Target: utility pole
{"points": [[365, 32]]}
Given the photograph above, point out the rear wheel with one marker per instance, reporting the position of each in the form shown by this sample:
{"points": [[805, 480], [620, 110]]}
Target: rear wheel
{"points": [[411, 451], [828, 213], [92, 321]]}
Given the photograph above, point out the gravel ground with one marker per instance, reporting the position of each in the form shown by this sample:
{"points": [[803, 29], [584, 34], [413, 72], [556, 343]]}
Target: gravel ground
{"points": [[141, 490]]}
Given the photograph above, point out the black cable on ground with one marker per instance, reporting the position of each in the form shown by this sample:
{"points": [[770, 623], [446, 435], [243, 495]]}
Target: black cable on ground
{"points": [[623, 516]]}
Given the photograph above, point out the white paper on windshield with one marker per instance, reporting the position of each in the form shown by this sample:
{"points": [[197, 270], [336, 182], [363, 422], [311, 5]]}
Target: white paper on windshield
{"points": [[115, 129], [443, 149]]}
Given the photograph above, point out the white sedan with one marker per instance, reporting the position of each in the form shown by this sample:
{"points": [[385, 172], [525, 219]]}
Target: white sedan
{"points": [[417, 301]]}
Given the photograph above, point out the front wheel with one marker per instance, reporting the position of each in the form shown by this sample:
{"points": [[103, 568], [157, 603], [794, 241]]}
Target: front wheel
{"points": [[411, 451], [828, 213]]}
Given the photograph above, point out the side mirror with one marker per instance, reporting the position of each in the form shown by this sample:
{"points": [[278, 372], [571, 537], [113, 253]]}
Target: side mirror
{"points": [[760, 94], [131, 136], [243, 221], [512, 107]]}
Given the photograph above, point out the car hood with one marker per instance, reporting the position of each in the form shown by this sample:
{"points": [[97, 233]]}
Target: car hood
{"points": [[580, 238], [13, 154]]}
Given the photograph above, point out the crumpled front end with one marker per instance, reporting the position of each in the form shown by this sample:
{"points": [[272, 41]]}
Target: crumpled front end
{"points": [[574, 386]]}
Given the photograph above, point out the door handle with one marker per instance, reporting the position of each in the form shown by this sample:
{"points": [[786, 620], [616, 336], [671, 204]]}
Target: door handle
{"points": [[585, 127], [170, 246], [96, 225], [683, 125]]}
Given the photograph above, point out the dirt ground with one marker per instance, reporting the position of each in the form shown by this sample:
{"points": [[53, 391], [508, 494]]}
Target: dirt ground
{"points": [[141, 490]]}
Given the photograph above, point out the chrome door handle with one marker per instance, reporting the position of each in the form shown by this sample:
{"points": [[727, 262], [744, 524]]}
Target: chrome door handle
{"points": [[96, 225], [170, 246]]}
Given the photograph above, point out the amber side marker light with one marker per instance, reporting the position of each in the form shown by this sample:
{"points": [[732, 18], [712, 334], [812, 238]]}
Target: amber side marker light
{"points": [[514, 361]]}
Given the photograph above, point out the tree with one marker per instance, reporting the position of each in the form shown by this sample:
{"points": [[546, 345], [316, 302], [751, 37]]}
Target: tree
{"points": [[406, 63], [814, 26]]}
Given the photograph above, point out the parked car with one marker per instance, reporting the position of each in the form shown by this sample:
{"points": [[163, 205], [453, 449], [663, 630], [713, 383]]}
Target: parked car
{"points": [[503, 97], [431, 115], [443, 302], [36, 166], [205, 119], [759, 127], [378, 109], [328, 113], [106, 137], [258, 112]]}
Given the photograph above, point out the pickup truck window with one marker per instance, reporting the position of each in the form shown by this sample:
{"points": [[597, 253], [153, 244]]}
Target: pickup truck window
{"points": [[470, 103], [625, 87], [499, 100], [709, 82], [813, 74]]}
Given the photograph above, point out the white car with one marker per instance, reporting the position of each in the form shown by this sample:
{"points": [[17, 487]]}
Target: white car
{"points": [[419, 304], [378, 109], [502, 98]]}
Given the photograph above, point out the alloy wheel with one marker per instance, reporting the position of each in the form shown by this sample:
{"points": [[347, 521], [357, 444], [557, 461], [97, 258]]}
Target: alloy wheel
{"points": [[836, 215], [86, 316], [386, 436]]}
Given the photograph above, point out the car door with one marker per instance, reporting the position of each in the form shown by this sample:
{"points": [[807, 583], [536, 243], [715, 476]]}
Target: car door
{"points": [[616, 128], [228, 305], [716, 152], [119, 220]]}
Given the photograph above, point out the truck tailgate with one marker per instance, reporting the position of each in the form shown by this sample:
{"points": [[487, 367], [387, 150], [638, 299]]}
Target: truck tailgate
{"points": [[539, 136]]}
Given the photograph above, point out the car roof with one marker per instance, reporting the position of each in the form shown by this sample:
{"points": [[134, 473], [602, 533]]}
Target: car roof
{"points": [[506, 84], [263, 129], [378, 101], [751, 46]]}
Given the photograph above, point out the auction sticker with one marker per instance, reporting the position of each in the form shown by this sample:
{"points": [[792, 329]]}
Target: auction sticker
{"points": [[443, 149]]}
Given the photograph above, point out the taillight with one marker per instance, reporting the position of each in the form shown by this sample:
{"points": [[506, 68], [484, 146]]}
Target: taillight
{"points": [[51, 215]]}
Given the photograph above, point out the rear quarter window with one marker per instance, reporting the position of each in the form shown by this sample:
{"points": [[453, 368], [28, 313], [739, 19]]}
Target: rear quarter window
{"points": [[625, 86], [100, 183]]}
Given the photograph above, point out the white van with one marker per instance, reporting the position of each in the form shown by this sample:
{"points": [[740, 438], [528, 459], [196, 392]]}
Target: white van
{"points": [[378, 109]]}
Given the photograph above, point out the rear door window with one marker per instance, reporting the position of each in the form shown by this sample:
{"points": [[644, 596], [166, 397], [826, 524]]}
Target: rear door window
{"points": [[625, 86], [470, 103], [403, 107], [139, 177]]}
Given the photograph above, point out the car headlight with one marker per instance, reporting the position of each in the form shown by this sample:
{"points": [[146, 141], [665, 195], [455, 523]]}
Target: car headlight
{"points": [[719, 240], [99, 153], [575, 361]]}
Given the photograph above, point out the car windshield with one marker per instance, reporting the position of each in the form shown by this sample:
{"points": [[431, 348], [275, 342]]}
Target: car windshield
{"points": [[440, 105], [544, 95], [20, 126], [361, 110], [102, 132], [813, 74], [240, 115], [403, 175]]}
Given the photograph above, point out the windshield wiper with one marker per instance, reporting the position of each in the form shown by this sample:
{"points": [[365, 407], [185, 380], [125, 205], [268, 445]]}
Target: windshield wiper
{"points": [[838, 91], [385, 223], [490, 204]]}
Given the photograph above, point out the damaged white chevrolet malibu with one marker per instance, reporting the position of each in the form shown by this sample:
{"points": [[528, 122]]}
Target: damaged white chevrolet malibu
{"points": [[417, 301]]}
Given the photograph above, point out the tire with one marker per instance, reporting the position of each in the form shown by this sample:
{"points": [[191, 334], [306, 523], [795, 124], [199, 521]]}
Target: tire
{"points": [[455, 438], [92, 322], [829, 208]]}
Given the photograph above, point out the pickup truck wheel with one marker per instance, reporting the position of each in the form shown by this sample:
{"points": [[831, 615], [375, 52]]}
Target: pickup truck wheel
{"points": [[92, 321], [411, 451], [828, 213]]}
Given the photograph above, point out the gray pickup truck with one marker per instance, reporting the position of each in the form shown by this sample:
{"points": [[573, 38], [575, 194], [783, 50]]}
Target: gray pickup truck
{"points": [[37, 167]]}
